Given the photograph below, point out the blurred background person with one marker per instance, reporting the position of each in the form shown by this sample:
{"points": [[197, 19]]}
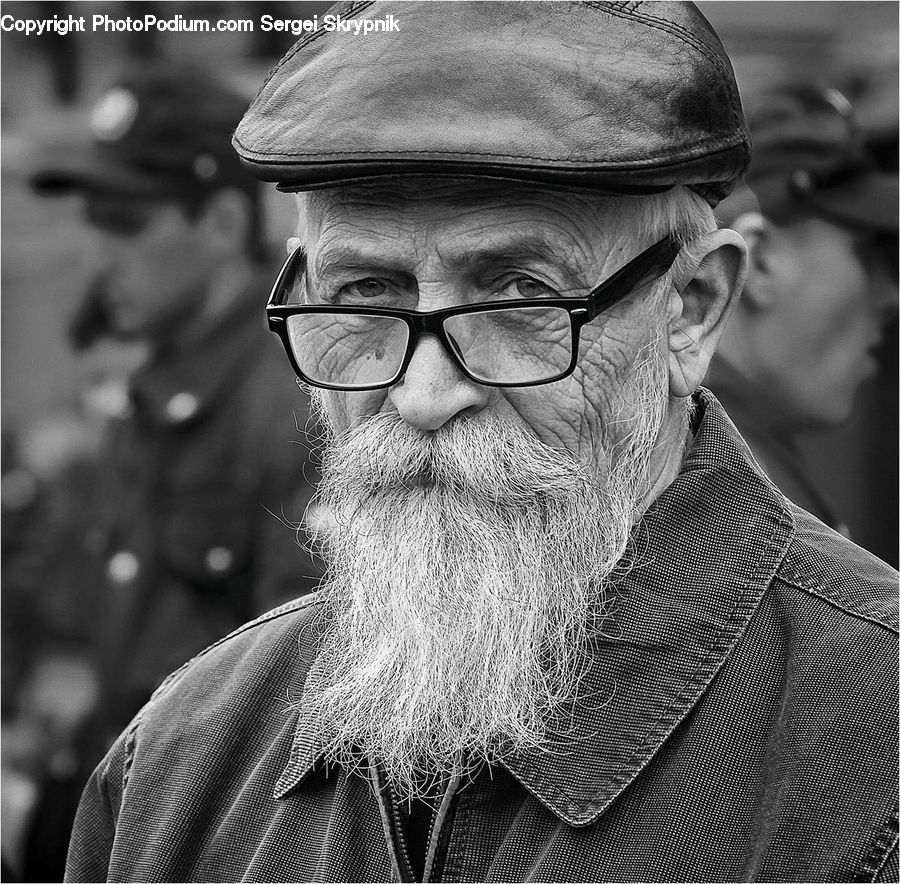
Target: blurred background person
{"points": [[821, 222], [190, 516]]}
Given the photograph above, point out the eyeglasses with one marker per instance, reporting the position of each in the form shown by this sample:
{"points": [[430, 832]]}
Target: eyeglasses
{"points": [[496, 343]]}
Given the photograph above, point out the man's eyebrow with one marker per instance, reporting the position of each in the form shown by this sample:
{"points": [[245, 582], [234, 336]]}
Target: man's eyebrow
{"points": [[521, 251], [516, 248], [347, 257]]}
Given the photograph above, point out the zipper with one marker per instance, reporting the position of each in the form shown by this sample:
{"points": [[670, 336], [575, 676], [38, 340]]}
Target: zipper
{"points": [[400, 866], [400, 837], [426, 872]]}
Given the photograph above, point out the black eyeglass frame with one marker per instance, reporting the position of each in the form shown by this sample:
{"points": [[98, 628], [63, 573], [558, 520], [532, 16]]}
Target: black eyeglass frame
{"points": [[646, 267]]}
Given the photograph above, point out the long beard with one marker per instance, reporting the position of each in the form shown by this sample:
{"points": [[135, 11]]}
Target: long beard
{"points": [[468, 573]]}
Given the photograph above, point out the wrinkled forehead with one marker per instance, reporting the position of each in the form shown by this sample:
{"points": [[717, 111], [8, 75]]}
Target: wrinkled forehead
{"points": [[421, 197], [460, 209]]}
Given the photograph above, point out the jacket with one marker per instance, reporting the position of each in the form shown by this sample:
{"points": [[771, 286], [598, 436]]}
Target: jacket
{"points": [[748, 730]]}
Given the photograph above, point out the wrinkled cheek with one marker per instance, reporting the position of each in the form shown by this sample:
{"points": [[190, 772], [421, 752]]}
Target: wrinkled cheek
{"points": [[561, 415], [347, 410], [332, 409], [620, 386]]}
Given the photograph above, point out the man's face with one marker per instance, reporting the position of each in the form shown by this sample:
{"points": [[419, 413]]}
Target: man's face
{"points": [[443, 245], [152, 264], [834, 299], [471, 531]]}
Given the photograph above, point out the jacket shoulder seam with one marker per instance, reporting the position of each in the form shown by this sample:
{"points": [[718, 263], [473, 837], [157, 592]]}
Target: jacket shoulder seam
{"points": [[130, 735], [788, 574], [287, 608]]}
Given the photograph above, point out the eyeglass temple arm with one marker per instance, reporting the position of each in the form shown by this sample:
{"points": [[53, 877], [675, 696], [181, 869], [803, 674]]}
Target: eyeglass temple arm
{"points": [[295, 264], [649, 265]]}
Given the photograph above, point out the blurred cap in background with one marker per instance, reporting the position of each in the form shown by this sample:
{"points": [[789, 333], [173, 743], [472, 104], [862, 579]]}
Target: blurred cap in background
{"points": [[809, 155], [158, 132]]}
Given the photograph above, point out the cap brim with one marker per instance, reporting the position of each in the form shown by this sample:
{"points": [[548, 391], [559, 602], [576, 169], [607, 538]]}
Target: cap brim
{"points": [[86, 168], [869, 202]]}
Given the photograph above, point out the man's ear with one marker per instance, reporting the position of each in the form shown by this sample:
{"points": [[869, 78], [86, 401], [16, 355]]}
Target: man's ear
{"points": [[292, 244], [707, 279]]}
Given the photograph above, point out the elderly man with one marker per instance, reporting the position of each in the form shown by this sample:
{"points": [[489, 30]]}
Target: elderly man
{"points": [[569, 631]]}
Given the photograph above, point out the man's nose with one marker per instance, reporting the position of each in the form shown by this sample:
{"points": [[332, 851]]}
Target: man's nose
{"points": [[434, 391]]}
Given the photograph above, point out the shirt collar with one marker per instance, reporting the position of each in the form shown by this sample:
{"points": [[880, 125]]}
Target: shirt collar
{"points": [[678, 614]]}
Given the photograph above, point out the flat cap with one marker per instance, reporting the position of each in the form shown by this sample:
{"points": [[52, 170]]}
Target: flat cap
{"points": [[625, 97]]}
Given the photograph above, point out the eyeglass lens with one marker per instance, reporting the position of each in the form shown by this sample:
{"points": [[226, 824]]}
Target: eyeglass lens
{"points": [[346, 349], [517, 346]]}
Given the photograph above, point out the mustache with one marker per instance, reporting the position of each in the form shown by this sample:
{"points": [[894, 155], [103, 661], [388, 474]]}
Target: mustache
{"points": [[487, 458]]}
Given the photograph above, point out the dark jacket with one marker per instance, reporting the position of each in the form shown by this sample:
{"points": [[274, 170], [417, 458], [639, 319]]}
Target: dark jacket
{"points": [[204, 483], [748, 729]]}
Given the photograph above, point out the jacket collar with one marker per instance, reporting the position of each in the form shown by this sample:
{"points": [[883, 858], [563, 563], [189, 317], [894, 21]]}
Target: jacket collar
{"points": [[678, 614], [680, 611]]}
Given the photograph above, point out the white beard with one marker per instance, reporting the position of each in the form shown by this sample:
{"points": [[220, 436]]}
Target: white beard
{"points": [[468, 573]]}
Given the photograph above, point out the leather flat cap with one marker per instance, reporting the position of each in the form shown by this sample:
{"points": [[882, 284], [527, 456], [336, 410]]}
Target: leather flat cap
{"points": [[626, 97]]}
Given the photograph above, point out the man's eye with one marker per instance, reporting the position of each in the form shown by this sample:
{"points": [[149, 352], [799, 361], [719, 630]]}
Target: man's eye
{"points": [[526, 287], [364, 289]]}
